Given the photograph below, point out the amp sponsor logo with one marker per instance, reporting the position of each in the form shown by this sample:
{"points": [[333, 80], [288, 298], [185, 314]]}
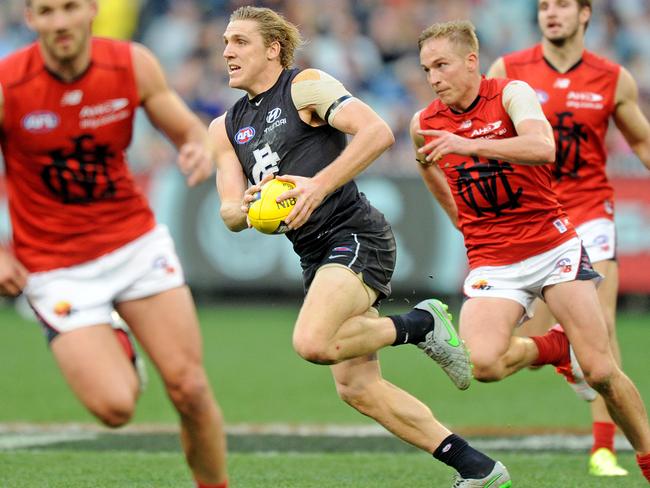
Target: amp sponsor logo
{"points": [[589, 100], [490, 130], [40, 122], [108, 112], [244, 135]]}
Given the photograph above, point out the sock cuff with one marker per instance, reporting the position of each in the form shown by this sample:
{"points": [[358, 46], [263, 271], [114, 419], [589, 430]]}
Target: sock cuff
{"points": [[400, 330], [224, 484], [453, 439], [643, 460]]}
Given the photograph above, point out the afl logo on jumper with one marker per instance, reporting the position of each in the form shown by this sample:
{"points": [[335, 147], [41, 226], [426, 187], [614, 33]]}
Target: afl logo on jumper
{"points": [[244, 135], [41, 121], [542, 96]]}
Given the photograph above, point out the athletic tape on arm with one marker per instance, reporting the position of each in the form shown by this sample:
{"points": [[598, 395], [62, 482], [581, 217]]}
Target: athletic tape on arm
{"points": [[322, 91], [521, 103]]}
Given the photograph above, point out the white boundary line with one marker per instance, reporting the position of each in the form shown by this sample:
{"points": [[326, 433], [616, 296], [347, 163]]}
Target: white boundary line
{"points": [[24, 435]]}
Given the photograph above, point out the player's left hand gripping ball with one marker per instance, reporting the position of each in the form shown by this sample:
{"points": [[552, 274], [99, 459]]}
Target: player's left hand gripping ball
{"points": [[265, 213]]}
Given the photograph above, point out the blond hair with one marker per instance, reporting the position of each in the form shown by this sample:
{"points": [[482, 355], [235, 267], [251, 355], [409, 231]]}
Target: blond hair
{"points": [[274, 28], [461, 33]]}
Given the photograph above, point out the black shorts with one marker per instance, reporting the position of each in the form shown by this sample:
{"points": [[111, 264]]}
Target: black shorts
{"points": [[371, 254]]}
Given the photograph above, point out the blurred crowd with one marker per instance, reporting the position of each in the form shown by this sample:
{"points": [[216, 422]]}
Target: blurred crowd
{"points": [[370, 45]]}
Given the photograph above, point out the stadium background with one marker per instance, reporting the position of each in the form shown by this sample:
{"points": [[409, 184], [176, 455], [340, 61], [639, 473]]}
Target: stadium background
{"points": [[249, 298], [370, 45]]}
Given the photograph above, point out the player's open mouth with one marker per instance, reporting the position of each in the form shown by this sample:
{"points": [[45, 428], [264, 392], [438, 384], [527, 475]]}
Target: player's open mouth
{"points": [[233, 68]]}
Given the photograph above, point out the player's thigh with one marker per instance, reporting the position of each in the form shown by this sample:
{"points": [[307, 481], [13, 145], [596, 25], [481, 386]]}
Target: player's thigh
{"points": [[608, 290], [486, 325], [576, 306], [539, 324], [95, 366], [167, 327], [336, 294], [355, 378]]}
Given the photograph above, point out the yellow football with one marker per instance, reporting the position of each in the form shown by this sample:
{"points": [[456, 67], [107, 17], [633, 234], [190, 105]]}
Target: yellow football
{"points": [[265, 213]]}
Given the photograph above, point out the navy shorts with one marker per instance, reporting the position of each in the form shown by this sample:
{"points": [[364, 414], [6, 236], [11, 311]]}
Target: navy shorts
{"points": [[371, 254]]}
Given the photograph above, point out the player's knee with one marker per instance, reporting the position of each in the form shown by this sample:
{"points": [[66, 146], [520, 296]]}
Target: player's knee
{"points": [[599, 376], [358, 396], [187, 389], [312, 349], [486, 370], [115, 412]]}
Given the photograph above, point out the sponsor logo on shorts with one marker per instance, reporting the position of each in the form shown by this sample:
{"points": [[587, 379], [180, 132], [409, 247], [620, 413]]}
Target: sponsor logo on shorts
{"points": [[342, 249], [244, 135], [162, 263], [602, 241], [63, 309], [564, 265], [481, 285]]}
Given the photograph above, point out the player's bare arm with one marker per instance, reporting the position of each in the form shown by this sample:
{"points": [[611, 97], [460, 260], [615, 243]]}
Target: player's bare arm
{"points": [[629, 119], [497, 70], [231, 181], [433, 176], [533, 145], [371, 137], [169, 113]]}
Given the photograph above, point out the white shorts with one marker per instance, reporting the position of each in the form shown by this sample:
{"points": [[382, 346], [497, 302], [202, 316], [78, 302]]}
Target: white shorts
{"points": [[599, 238], [524, 281], [65, 299]]}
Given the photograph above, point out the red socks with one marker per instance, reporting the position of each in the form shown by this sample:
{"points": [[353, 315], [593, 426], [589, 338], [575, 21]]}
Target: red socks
{"points": [[552, 347], [205, 485], [644, 464], [603, 435]]}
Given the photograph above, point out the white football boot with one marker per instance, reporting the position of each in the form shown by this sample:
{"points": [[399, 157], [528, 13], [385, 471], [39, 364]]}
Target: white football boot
{"points": [[498, 478], [444, 346]]}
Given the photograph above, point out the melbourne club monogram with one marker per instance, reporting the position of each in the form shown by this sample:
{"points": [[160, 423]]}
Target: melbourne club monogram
{"points": [[80, 175], [484, 185], [569, 136]]}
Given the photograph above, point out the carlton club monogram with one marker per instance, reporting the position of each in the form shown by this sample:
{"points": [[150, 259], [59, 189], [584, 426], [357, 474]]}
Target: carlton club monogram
{"points": [[569, 136], [481, 184], [80, 175]]}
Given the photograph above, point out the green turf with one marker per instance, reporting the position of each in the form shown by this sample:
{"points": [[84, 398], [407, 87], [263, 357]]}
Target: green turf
{"points": [[258, 378], [71, 469]]}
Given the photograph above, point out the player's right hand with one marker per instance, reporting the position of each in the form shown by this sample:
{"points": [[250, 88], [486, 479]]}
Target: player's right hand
{"points": [[13, 275], [249, 194]]}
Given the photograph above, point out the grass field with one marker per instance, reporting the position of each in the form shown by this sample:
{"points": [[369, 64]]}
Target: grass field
{"points": [[259, 380]]}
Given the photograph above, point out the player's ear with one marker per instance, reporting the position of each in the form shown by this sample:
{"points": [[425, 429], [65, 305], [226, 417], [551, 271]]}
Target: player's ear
{"points": [[94, 8], [29, 17], [273, 51], [471, 61]]}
